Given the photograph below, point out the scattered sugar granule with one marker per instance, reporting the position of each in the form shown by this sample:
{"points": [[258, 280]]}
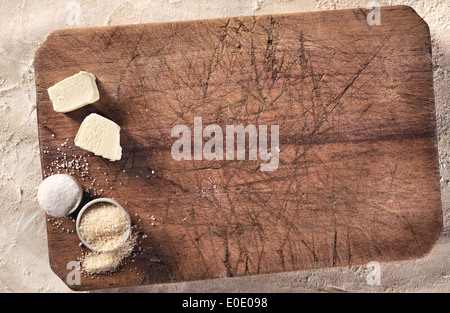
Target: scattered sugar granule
{"points": [[107, 262], [104, 226], [101, 262]]}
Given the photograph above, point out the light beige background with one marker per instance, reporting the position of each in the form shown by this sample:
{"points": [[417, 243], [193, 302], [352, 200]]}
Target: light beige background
{"points": [[24, 25]]}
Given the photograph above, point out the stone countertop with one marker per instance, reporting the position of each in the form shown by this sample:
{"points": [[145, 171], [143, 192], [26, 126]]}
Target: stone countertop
{"points": [[25, 24]]}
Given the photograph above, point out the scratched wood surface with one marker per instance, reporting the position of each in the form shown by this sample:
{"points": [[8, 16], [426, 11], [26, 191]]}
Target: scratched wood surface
{"points": [[358, 176]]}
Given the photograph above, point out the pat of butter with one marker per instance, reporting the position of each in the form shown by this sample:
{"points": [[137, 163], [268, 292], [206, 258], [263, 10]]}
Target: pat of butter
{"points": [[74, 92], [101, 136]]}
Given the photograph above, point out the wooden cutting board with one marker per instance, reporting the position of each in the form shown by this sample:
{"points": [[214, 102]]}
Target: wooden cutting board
{"points": [[357, 179]]}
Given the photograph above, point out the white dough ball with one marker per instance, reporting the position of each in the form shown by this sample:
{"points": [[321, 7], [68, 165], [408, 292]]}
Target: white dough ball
{"points": [[59, 195]]}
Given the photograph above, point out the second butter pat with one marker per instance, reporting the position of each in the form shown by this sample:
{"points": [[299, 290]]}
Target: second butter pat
{"points": [[101, 136]]}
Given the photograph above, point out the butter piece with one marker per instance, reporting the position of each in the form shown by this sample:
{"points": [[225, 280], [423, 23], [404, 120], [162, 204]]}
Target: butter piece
{"points": [[74, 92], [101, 136]]}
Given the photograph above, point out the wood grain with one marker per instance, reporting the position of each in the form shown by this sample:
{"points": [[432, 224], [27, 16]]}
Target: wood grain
{"points": [[358, 175]]}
